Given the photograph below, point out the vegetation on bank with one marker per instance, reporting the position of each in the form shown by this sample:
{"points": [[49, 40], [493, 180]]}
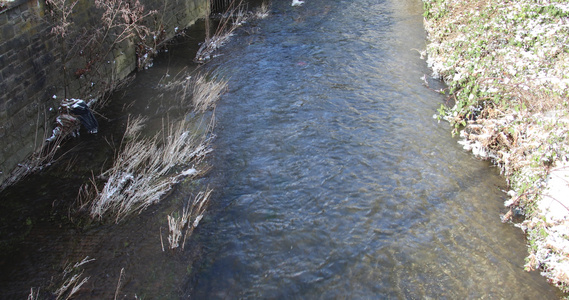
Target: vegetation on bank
{"points": [[506, 65]]}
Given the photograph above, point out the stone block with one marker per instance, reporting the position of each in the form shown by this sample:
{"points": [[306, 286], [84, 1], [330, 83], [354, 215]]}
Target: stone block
{"points": [[8, 32], [30, 111], [8, 129], [16, 102], [7, 83], [50, 43], [20, 74], [17, 119], [27, 16], [40, 80], [10, 148], [13, 13], [16, 44], [21, 154], [3, 87], [12, 56], [3, 112], [25, 129], [22, 56], [3, 47], [37, 45], [125, 63], [22, 27], [3, 19], [2, 133]]}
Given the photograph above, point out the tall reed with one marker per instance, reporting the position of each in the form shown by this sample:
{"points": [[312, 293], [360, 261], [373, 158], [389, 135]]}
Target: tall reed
{"points": [[230, 21], [145, 169], [192, 214], [72, 280]]}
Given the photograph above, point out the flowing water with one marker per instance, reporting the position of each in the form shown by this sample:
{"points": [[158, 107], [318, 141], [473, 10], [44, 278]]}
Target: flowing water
{"points": [[332, 178], [336, 182]]}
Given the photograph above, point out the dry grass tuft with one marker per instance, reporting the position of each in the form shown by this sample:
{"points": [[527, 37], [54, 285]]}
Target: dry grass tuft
{"points": [[205, 93], [176, 225], [134, 126], [119, 284], [191, 216], [263, 11], [230, 21], [147, 168], [72, 280], [46, 149], [198, 90], [34, 296]]}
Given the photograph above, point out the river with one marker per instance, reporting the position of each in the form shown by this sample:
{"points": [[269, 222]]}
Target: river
{"points": [[331, 177], [335, 180]]}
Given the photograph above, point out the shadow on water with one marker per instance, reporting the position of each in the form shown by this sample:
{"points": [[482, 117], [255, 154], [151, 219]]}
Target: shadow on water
{"points": [[332, 178]]}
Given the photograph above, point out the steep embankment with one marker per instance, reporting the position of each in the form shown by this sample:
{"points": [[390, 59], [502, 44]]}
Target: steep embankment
{"points": [[507, 67]]}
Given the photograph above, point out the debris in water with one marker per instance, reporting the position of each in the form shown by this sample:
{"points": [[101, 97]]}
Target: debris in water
{"points": [[189, 172], [297, 2], [79, 108]]}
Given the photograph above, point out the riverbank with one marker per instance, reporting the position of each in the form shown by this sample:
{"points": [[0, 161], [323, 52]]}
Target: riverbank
{"points": [[506, 69]]}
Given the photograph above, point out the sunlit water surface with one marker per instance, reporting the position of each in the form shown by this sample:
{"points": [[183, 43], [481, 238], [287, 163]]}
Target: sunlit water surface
{"points": [[332, 179]]}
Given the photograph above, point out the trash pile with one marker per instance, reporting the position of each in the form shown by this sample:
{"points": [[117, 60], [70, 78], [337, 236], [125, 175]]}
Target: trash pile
{"points": [[72, 114]]}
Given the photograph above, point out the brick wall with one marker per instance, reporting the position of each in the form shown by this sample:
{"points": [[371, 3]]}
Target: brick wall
{"points": [[31, 68]]}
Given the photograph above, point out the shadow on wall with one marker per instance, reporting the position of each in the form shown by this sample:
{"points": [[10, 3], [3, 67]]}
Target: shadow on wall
{"points": [[68, 49]]}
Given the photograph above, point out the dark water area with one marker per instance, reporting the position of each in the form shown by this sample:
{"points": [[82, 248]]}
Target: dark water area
{"points": [[43, 230], [332, 179]]}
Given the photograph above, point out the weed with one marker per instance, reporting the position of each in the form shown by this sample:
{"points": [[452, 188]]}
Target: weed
{"points": [[145, 169], [192, 214], [68, 285], [229, 22]]}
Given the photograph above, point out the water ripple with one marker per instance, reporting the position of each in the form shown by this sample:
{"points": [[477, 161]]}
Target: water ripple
{"points": [[337, 183]]}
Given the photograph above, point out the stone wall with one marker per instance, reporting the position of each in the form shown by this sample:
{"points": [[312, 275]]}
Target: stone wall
{"points": [[31, 76]]}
